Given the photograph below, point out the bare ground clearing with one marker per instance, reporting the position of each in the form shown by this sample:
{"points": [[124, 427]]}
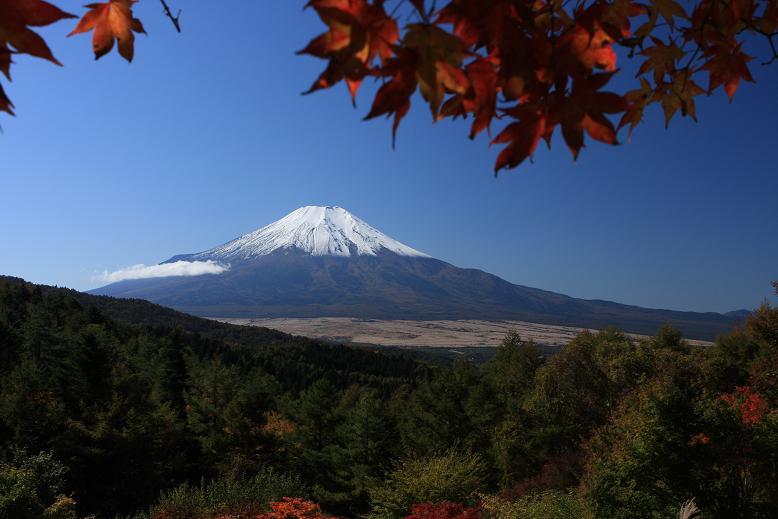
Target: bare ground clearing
{"points": [[411, 334]]}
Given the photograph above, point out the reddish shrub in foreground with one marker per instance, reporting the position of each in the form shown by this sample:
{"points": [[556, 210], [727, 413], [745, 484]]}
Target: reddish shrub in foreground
{"points": [[293, 508], [557, 473], [443, 511], [750, 405]]}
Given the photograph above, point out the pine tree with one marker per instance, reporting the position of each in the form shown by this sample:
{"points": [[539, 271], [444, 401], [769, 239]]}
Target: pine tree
{"points": [[367, 442], [316, 421], [172, 371]]}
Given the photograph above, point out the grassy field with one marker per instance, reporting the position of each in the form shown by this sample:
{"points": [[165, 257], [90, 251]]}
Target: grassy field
{"points": [[415, 334]]}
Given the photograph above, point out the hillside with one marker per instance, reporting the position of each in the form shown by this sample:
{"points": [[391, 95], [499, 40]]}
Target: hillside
{"points": [[112, 406]]}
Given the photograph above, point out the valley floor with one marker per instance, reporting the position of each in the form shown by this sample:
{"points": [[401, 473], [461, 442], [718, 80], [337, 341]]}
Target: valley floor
{"points": [[412, 334]]}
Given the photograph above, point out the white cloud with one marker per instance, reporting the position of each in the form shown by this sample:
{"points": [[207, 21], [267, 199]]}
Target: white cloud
{"points": [[177, 268]]}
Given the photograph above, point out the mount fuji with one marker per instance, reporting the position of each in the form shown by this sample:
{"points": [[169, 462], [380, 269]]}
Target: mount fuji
{"points": [[326, 262]]}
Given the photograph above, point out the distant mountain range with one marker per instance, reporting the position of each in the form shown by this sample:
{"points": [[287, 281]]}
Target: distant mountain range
{"points": [[326, 262]]}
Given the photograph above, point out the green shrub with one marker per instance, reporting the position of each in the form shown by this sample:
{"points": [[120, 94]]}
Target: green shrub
{"points": [[454, 477], [542, 505], [227, 496], [31, 487]]}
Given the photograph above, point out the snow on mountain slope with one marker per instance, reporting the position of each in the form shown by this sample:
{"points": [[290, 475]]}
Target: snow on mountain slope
{"points": [[319, 231]]}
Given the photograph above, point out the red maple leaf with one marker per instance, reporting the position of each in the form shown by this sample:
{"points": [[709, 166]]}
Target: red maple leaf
{"points": [[727, 65], [16, 18], [394, 96], [522, 137], [584, 110], [359, 34]]}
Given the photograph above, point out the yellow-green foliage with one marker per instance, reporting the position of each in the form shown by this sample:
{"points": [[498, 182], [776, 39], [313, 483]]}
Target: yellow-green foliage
{"points": [[453, 476], [63, 507], [541, 505], [226, 496], [31, 486]]}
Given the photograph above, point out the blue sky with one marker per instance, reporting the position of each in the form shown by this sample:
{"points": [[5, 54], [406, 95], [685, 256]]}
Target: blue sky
{"points": [[206, 136]]}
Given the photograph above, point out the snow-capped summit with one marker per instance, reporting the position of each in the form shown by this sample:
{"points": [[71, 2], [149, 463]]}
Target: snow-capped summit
{"points": [[319, 231]]}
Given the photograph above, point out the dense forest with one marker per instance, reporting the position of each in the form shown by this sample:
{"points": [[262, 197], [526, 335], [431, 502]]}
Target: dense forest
{"points": [[112, 408]]}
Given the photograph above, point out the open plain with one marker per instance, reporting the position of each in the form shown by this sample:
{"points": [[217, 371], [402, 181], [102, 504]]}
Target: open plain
{"points": [[414, 334]]}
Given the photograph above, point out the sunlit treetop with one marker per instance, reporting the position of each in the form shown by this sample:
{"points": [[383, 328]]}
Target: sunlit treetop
{"points": [[525, 67]]}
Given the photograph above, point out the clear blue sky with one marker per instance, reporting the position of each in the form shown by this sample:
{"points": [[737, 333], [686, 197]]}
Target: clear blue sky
{"points": [[206, 137]]}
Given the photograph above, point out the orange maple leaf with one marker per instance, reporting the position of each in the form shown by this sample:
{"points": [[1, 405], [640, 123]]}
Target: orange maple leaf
{"points": [[111, 21], [591, 48]]}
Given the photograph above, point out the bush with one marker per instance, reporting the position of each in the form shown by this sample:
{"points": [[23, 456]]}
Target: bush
{"points": [[227, 496], [453, 477], [31, 486], [443, 511], [556, 504], [293, 508]]}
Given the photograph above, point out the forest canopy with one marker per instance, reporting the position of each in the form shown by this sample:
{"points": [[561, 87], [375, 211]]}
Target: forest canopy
{"points": [[104, 412]]}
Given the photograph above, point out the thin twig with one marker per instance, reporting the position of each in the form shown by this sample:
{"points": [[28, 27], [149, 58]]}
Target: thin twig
{"points": [[772, 47], [169, 14], [396, 8], [769, 35], [700, 43]]}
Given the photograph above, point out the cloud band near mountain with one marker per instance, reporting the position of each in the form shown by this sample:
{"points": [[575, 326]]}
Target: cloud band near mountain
{"points": [[177, 268]]}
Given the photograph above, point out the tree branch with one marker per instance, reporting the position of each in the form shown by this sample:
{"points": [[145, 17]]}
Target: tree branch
{"points": [[169, 14], [770, 62]]}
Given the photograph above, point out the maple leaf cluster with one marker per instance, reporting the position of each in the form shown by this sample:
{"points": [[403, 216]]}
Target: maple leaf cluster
{"points": [[111, 22], [538, 65], [534, 65]]}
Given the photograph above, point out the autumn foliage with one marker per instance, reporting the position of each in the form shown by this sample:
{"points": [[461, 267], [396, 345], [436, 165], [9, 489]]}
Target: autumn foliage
{"points": [[536, 66], [111, 22], [747, 403], [539, 65], [293, 508], [16, 36], [443, 511]]}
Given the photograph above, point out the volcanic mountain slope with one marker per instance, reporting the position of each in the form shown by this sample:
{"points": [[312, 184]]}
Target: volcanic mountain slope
{"points": [[324, 261]]}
